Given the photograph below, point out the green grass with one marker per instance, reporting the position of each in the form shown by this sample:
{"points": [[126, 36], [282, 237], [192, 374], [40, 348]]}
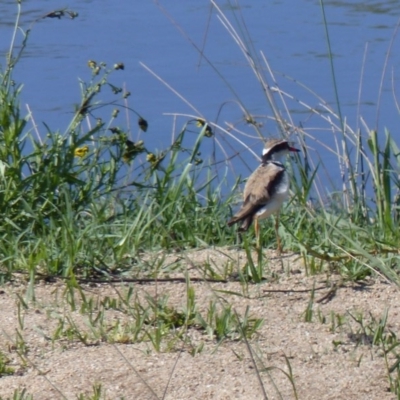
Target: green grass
{"points": [[87, 203]]}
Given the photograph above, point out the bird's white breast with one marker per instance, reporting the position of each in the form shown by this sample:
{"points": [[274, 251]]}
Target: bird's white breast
{"points": [[279, 194]]}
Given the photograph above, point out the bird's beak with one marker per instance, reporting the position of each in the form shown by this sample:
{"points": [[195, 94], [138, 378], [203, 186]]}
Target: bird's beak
{"points": [[293, 149]]}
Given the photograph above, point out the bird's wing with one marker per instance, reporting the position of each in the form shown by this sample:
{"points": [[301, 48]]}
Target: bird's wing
{"points": [[257, 190]]}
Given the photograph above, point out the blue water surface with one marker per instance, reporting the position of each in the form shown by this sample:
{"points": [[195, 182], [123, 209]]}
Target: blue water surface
{"points": [[290, 34]]}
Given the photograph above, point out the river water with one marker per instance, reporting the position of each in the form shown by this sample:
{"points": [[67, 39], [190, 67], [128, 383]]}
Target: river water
{"points": [[290, 34]]}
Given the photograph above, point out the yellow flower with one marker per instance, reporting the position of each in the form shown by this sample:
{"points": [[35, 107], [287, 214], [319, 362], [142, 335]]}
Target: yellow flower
{"points": [[151, 158], [92, 64], [156, 160], [81, 151], [200, 122]]}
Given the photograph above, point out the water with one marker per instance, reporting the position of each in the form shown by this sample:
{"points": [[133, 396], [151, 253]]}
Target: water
{"points": [[291, 37]]}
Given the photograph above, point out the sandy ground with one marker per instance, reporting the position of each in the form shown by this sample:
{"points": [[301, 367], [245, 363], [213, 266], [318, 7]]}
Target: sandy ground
{"points": [[331, 357]]}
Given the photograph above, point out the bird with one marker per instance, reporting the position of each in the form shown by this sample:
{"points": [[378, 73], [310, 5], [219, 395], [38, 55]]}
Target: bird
{"points": [[266, 189]]}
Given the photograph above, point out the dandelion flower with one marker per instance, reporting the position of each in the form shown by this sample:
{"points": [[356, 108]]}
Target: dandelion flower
{"points": [[81, 151]]}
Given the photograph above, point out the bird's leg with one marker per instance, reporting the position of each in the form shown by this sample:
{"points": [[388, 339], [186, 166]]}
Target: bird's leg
{"points": [[278, 240], [257, 230]]}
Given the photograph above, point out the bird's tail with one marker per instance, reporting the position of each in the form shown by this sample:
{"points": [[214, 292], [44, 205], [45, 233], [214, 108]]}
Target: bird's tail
{"points": [[246, 222]]}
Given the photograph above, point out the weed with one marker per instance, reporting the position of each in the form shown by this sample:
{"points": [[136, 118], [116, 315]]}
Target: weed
{"points": [[226, 324], [98, 393], [19, 395], [4, 368], [308, 313]]}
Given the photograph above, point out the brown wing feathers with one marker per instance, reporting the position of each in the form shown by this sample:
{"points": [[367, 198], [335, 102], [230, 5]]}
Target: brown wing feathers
{"points": [[246, 213], [256, 195]]}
